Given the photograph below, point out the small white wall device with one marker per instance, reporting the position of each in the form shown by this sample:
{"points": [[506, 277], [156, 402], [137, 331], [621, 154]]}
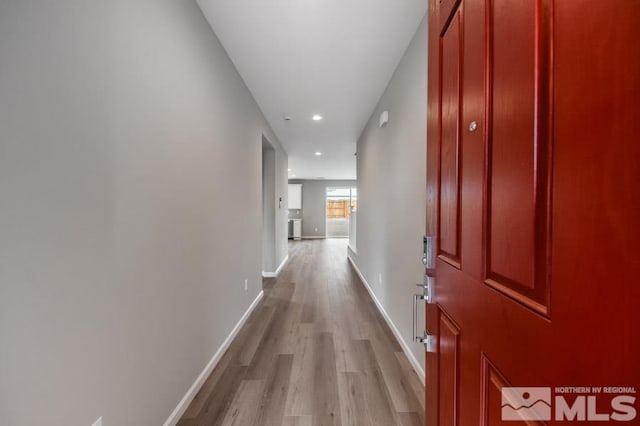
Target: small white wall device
{"points": [[384, 118]]}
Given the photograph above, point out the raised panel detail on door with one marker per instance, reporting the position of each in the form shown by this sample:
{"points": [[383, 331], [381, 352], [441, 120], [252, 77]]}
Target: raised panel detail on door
{"points": [[518, 148], [449, 202], [448, 350], [492, 401], [445, 9]]}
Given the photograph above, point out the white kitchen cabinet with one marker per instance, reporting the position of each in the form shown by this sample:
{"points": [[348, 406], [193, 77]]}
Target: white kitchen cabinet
{"points": [[295, 196]]}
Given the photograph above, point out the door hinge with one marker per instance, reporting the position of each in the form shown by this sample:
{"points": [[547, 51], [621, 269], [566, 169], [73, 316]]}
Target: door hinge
{"points": [[427, 289], [429, 341]]}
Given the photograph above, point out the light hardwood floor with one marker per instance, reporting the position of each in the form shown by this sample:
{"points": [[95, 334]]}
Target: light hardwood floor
{"points": [[314, 352]]}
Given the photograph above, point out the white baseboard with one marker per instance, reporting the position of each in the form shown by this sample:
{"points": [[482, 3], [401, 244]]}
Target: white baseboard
{"points": [[195, 387], [277, 272], [405, 347], [314, 237]]}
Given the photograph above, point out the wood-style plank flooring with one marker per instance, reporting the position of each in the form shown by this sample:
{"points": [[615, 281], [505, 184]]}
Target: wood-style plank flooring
{"points": [[315, 352]]}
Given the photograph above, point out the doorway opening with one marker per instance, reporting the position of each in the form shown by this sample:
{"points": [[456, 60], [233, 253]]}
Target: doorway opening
{"points": [[340, 203], [268, 207]]}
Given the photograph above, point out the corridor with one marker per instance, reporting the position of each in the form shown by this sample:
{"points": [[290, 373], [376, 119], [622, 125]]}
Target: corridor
{"points": [[314, 352]]}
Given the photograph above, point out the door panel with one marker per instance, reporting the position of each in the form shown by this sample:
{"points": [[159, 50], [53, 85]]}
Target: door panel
{"points": [[511, 149], [448, 351], [449, 216], [492, 400], [518, 145], [541, 194]]}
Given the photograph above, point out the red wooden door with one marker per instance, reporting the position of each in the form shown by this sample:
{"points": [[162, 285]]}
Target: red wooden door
{"points": [[533, 183]]}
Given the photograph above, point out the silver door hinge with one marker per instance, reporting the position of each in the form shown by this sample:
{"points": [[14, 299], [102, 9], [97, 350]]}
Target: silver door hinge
{"points": [[427, 289], [429, 341]]}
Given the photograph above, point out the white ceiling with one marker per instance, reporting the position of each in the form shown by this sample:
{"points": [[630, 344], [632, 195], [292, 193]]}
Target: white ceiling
{"points": [[306, 57]]}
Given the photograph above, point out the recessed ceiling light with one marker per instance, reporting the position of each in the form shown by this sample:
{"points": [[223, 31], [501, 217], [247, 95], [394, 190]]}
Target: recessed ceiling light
{"points": [[289, 169], [317, 117], [318, 153]]}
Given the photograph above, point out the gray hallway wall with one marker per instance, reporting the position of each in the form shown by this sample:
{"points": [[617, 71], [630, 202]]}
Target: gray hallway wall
{"points": [[391, 191], [128, 145]]}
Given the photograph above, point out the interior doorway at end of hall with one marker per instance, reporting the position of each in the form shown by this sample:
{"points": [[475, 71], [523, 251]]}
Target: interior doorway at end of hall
{"points": [[340, 204], [269, 207]]}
